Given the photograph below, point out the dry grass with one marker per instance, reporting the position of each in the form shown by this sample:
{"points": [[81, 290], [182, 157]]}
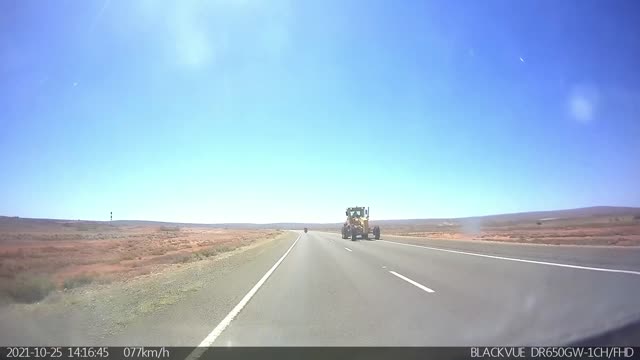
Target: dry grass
{"points": [[77, 281], [37, 258], [169, 228], [26, 287]]}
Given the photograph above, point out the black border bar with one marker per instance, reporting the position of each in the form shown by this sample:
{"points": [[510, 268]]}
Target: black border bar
{"points": [[330, 353]]}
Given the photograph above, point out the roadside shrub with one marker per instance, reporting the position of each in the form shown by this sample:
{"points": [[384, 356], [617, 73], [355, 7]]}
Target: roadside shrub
{"points": [[208, 252], [225, 248], [169, 228], [176, 258], [159, 251], [126, 256], [84, 227], [112, 261], [77, 281], [27, 288], [196, 256]]}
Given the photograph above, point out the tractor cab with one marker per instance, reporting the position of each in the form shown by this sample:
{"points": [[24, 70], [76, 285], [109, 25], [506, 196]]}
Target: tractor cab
{"points": [[357, 212]]}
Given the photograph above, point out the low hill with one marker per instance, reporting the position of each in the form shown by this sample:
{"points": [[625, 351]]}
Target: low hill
{"points": [[587, 212]]}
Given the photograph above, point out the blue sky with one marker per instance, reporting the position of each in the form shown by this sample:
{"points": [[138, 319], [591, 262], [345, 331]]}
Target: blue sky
{"points": [[264, 111]]}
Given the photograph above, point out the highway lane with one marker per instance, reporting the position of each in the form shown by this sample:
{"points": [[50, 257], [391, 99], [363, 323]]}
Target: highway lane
{"points": [[329, 291], [599, 256], [517, 302], [323, 295]]}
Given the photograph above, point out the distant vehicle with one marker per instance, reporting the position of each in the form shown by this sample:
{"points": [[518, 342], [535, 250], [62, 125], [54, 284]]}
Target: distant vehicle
{"points": [[357, 224], [305, 230]]}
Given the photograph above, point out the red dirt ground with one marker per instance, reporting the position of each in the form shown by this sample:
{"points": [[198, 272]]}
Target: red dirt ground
{"points": [[62, 251], [618, 231]]}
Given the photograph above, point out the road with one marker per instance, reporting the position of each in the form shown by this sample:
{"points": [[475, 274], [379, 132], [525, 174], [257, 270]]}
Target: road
{"points": [[329, 291], [317, 289]]}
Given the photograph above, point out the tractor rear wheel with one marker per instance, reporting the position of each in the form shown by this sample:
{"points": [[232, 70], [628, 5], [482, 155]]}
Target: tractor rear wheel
{"points": [[376, 233], [353, 236]]}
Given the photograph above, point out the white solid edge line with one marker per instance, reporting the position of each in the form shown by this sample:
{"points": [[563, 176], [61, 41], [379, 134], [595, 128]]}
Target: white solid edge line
{"points": [[348, 249], [232, 314], [521, 260], [412, 282]]}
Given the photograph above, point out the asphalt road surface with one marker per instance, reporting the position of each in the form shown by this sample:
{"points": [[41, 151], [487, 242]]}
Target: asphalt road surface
{"points": [[330, 291], [317, 289]]}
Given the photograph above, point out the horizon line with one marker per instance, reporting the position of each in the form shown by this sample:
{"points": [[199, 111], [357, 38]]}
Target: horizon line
{"points": [[631, 208]]}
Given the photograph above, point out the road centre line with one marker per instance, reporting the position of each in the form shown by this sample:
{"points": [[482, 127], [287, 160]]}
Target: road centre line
{"points": [[348, 249], [520, 260], [197, 352], [417, 284]]}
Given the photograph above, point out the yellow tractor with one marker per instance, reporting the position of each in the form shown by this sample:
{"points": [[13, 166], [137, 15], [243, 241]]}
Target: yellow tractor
{"points": [[357, 224]]}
